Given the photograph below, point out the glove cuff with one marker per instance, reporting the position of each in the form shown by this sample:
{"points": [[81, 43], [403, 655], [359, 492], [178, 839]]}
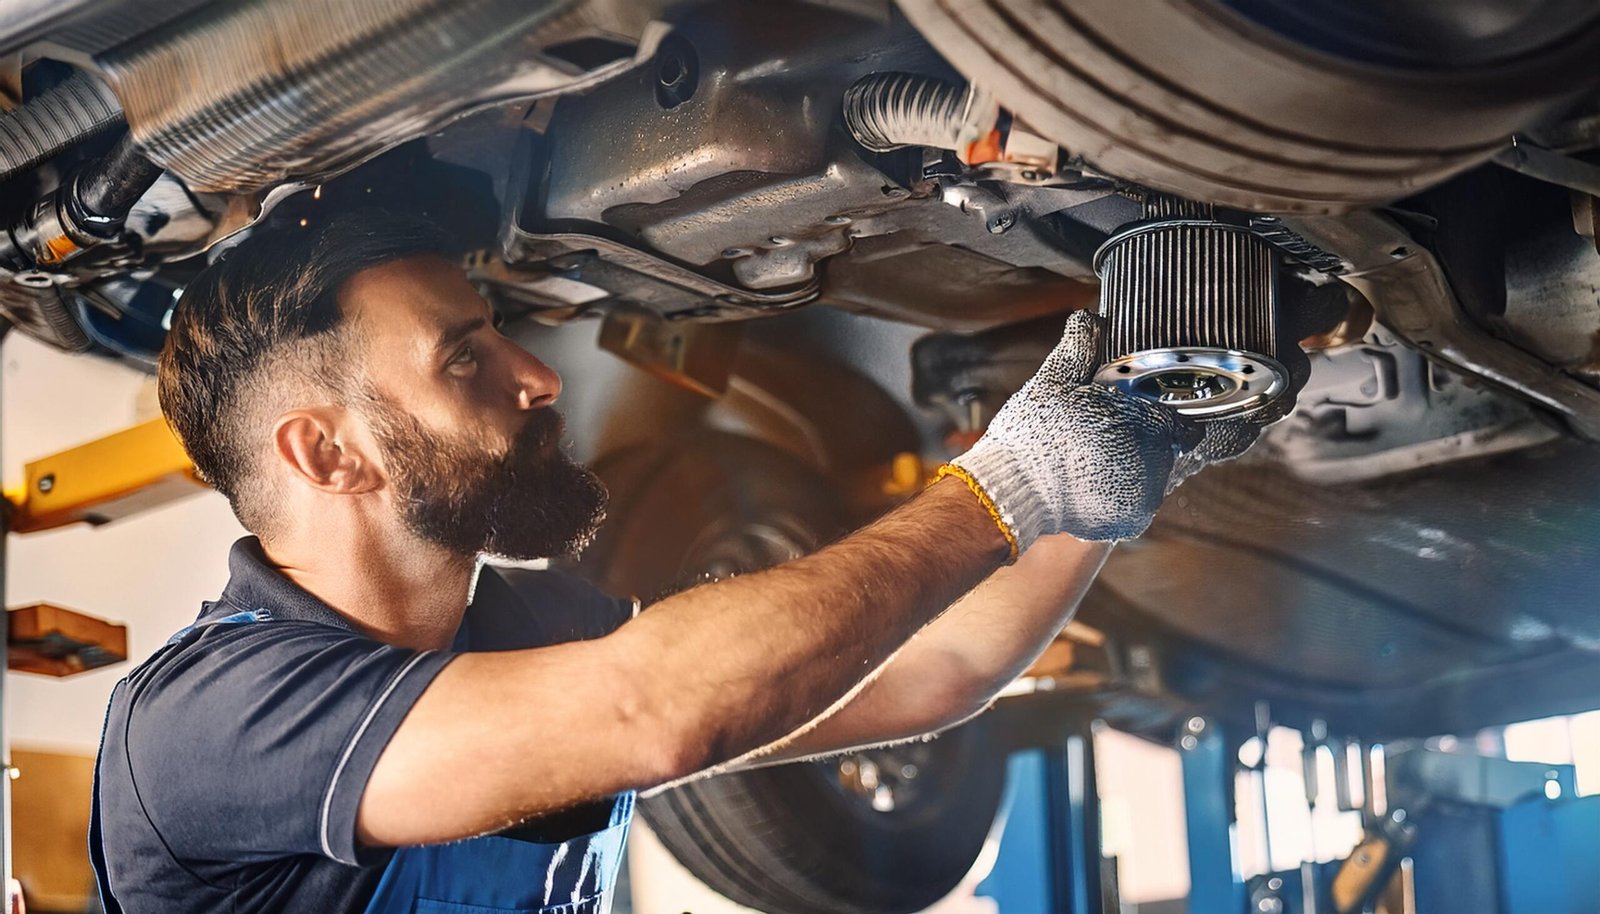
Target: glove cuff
{"points": [[951, 469], [999, 481]]}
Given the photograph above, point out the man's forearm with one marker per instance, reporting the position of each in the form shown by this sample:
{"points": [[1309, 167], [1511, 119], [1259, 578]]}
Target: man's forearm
{"points": [[740, 663], [957, 663], [993, 634]]}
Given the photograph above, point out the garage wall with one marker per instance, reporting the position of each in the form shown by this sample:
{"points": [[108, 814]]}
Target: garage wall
{"points": [[150, 571]]}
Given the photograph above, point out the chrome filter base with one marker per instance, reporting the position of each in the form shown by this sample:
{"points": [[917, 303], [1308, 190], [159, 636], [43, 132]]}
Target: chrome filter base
{"points": [[1199, 383], [1190, 306]]}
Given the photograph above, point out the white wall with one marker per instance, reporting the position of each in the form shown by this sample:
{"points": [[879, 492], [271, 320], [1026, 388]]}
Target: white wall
{"points": [[150, 571]]}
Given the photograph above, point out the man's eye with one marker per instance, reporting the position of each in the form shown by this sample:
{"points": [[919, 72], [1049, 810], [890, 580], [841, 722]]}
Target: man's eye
{"points": [[464, 356]]}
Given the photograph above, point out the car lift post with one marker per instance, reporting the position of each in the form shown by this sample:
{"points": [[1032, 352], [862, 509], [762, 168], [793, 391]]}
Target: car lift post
{"points": [[1074, 823], [1050, 854], [1068, 845], [1062, 841], [1215, 884]]}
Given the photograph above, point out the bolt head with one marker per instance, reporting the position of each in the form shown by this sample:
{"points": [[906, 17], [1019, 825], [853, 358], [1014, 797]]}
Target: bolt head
{"points": [[47, 482]]}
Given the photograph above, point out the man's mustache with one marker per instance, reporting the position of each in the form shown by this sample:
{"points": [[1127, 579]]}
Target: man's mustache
{"points": [[540, 437]]}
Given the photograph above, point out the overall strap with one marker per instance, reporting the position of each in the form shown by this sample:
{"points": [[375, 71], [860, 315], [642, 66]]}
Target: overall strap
{"points": [[239, 618]]}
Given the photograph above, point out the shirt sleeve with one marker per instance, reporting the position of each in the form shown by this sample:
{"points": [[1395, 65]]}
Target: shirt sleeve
{"points": [[255, 741]]}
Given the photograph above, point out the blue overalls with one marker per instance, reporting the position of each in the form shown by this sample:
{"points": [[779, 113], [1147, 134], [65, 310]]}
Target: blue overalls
{"points": [[493, 874]]}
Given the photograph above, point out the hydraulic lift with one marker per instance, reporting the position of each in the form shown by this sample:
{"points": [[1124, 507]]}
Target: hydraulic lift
{"points": [[1445, 832]]}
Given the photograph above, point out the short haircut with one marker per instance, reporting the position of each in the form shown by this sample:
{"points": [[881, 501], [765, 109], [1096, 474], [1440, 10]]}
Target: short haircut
{"points": [[261, 326]]}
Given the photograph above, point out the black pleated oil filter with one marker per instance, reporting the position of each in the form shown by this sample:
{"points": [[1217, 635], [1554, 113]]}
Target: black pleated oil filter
{"points": [[1191, 313]]}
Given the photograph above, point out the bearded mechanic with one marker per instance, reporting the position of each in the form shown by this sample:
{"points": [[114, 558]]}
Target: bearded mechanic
{"points": [[370, 719]]}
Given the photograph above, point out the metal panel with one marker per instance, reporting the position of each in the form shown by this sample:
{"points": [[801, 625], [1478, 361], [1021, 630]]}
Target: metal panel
{"points": [[1548, 853]]}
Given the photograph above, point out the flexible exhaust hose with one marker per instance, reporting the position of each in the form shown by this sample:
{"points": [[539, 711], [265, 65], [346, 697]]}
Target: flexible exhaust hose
{"points": [[72, 111], [887, 111], [42, 313]]}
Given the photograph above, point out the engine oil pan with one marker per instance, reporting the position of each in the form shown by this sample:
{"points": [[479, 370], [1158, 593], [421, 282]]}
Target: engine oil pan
{"points": [[1190, 305]]}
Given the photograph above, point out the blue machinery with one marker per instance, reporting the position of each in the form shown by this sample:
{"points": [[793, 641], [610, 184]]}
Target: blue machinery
{"points": [[1049, 858], [1460, 834]]}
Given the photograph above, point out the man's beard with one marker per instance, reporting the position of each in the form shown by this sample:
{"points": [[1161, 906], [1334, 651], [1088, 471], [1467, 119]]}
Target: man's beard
{"points": [[532, 502]]}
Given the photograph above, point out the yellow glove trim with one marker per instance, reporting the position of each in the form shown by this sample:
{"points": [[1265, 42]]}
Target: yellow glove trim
{"points": [[951, 469]]}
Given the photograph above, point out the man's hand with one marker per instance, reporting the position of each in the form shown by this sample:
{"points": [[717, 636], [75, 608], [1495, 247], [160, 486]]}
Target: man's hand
{"points": [[1066, 455]]}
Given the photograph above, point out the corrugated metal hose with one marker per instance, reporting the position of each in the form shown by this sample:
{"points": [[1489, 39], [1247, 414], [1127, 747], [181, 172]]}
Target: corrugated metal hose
{"points": [[887, 111], [59, 117]]}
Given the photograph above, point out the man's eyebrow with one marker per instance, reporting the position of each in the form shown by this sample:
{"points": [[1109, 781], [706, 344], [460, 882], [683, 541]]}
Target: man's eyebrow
{"points": [[459, 331]]}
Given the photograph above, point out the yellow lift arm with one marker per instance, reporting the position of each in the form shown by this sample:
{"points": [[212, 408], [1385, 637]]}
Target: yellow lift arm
{"points": [[104, 480]]}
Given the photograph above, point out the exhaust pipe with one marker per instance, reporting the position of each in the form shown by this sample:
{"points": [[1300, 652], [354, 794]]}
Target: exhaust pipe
{"points": [[239, 97]]}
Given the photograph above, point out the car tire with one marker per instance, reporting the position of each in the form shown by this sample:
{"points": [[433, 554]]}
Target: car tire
{"points": [[884, 831], [806, 838], [1272, 106]]}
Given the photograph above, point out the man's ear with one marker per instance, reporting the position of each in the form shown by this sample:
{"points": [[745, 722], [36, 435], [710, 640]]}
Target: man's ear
{"points": [[316, 445]]}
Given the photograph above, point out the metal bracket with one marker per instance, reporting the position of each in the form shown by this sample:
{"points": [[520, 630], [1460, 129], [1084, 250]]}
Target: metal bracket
{"points": [[1408, 289], [1552, 167]]}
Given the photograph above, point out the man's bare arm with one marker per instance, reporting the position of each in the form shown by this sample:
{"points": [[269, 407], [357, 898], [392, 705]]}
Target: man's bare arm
{"points": [[707, 675], [954, 667]]}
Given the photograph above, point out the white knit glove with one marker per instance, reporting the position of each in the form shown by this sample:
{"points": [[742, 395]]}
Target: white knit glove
{"points": [[1067, 455]]}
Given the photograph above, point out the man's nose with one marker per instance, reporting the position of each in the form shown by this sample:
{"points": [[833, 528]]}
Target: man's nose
{"points": [[537, 384]]}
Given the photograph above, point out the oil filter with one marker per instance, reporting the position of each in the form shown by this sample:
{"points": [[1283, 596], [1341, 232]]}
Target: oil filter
{"points": [[1190, 305]]}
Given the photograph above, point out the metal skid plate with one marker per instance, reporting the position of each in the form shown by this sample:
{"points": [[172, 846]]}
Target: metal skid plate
{"points": [[745, 195]]}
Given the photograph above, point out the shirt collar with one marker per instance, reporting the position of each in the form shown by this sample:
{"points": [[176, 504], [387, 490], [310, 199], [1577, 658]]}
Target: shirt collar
{"points": [[255, 584]]}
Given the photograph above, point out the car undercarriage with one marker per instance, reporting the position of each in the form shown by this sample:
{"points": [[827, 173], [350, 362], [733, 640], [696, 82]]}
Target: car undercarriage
{"points": [[842, 233]]}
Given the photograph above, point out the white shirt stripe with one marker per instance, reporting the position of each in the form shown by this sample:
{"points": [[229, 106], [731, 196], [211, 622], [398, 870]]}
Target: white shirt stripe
{"points": [[327, 800]]}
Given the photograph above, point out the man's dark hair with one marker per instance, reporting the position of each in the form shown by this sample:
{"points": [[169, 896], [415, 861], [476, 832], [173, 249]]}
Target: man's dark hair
{"points": [[262, 325]]}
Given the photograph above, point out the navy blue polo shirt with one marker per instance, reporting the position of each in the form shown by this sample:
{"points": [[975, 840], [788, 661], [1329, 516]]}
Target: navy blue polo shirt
{"points": [[235, 757]]}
